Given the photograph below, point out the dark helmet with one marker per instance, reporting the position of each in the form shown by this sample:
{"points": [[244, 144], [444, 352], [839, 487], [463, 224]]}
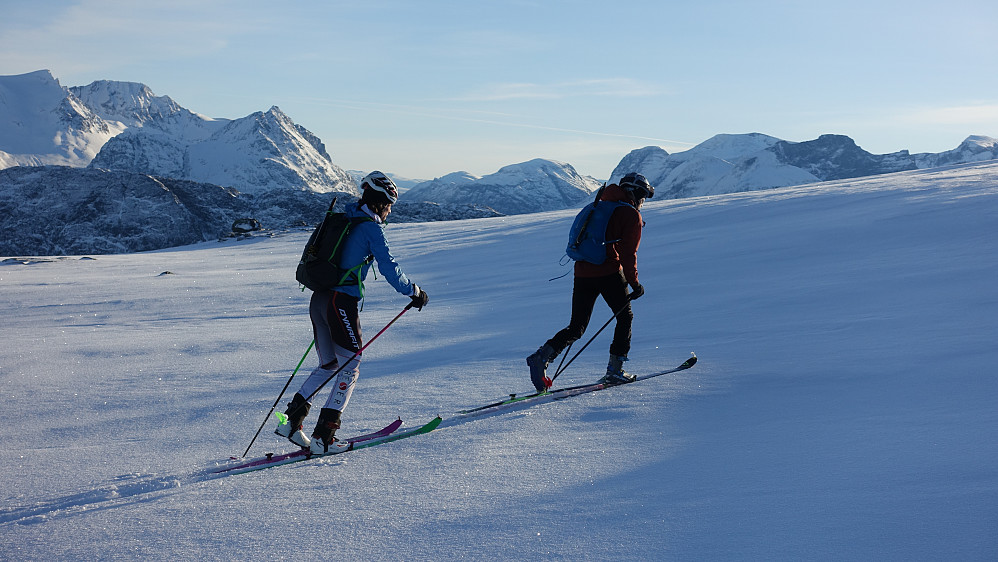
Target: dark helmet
{"points": [[637, 185], [379, 188]]}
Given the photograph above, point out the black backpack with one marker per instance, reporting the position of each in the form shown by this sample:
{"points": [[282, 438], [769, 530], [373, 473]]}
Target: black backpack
{"points": [[319, 268]]}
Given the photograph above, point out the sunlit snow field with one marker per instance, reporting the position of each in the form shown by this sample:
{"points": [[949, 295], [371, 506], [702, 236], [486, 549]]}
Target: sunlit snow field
{"points": [[845, 405]]}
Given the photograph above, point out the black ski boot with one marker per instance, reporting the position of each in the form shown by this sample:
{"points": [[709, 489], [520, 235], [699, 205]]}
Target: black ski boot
{"points": [[615, 373], [292, 429], [324, 434], [538, 363]]}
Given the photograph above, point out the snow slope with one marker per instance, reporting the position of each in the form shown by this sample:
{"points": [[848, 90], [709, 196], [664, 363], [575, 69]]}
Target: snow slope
{"points": [[843, 406]]}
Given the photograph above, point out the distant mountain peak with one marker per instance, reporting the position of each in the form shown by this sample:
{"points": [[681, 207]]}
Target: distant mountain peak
{"points": [[980, 141], [527, 187], [131, 103], [41, 122], [263, 151]]}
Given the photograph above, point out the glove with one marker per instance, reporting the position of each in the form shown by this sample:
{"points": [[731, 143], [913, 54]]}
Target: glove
{"points": [[419, 297], [636, 292]]}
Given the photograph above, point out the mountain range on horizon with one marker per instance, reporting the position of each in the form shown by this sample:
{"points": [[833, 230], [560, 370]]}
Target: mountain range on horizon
{"points": [[267, 167], [724, 163], [734, 163], [528, 187]]}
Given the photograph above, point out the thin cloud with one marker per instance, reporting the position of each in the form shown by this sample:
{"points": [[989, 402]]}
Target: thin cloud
{"points": [[488, 118], [980, 114], [604, 87], [89, 34]]}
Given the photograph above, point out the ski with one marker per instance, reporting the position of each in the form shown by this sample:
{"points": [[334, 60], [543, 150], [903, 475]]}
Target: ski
{"points": [[270, 459], [686, 365], [425, 428], [513, 398], [561, 393]]}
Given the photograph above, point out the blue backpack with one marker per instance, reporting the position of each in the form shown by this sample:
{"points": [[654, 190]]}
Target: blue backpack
{"points": [[587, 238]]}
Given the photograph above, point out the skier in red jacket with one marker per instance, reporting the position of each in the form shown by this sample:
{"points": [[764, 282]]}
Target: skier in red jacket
{"points": [[609, 280]]}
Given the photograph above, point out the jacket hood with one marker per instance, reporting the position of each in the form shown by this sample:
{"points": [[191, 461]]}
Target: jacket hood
{"points": [[614, 192]]}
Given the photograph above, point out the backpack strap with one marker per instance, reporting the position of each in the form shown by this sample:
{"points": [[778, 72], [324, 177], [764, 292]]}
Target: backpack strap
{"points": [[355, 270]]}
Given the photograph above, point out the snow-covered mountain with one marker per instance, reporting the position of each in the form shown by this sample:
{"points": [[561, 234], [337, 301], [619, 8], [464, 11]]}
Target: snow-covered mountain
{"points": [[734, 163], [976, 148], [528, 187], [125, 126], [260, 152], [717, 165], [43, 123], [134, 105], [401, 182], [426, 211]]}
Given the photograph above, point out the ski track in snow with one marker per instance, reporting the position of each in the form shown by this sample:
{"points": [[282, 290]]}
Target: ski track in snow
{"points": [[129, 489]]}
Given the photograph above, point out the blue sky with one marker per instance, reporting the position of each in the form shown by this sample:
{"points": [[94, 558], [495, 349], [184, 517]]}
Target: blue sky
{"points": [[425, 88]]}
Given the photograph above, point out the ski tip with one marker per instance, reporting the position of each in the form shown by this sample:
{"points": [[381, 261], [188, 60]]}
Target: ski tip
{"points": [[691, 361]]}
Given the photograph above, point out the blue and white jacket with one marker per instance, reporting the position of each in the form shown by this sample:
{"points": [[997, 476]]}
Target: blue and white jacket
{"points": [[366, 240]]}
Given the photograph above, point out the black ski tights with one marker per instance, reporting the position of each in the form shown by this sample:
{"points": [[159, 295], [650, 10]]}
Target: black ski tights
{"points": [[613, 289]]}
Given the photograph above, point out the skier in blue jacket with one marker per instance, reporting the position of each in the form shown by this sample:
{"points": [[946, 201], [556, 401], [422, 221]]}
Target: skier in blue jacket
{"points": [[334, 315]]}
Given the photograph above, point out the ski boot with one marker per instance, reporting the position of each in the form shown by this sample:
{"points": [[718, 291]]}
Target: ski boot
{"points": [[291, 427], [538, 363], [615, 373], [324, 435]]}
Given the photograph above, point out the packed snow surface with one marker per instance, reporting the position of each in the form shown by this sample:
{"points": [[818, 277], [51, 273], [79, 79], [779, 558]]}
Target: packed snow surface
{"points": [[844, 404]]}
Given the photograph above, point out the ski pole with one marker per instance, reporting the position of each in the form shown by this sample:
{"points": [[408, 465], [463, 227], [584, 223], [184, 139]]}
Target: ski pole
{"points": [[562, 369], [563, 357], [314, 392], [355, 355], [279, 396]]}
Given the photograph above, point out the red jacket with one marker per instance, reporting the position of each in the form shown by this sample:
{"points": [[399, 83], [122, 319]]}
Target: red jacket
{"points": [[625, 225]]}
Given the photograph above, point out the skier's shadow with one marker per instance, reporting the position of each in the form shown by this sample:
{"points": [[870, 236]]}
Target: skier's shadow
{"points": [[607, 413]]}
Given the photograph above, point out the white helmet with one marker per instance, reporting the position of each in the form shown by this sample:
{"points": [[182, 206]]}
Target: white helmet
{"points": [[382, 184], [637, 185]]}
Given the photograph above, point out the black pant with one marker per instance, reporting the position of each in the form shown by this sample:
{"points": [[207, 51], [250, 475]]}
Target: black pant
{"points": [[613, 289]]}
